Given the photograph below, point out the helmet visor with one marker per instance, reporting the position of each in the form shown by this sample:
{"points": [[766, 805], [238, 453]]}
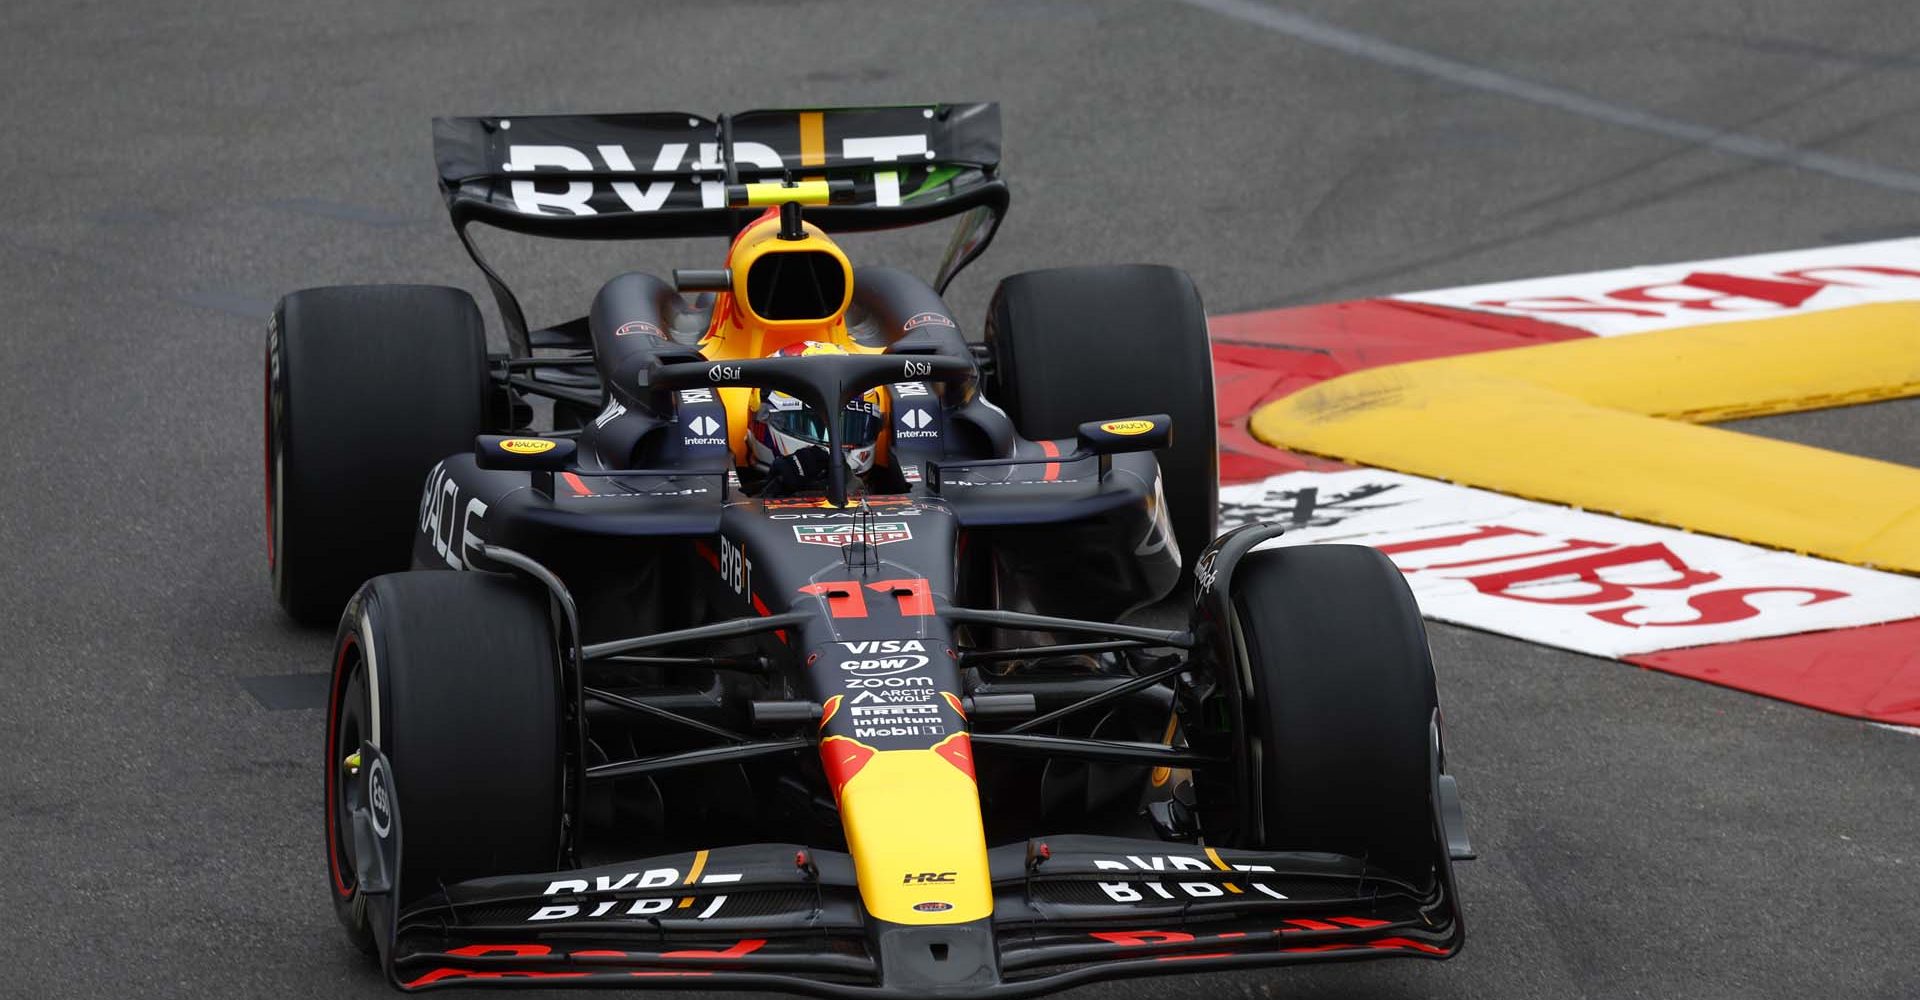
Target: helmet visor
{"points": [[859, 422]]}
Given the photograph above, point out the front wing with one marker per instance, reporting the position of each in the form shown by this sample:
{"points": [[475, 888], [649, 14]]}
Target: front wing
{"points": [[1067, 910]]}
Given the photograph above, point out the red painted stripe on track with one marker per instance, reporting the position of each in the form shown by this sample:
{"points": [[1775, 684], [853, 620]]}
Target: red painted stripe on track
{"points": [[1871, 672]]}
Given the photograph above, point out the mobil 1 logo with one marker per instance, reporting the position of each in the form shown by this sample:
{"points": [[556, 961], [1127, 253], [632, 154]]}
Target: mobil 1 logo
{"points": [[879, 721]]}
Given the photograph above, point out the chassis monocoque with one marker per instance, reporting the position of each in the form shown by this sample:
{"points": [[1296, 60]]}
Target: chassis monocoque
{"points": [[1004, 718]]}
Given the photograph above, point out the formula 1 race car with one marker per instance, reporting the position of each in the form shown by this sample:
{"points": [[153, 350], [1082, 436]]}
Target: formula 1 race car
{"points": [[804, 644]]}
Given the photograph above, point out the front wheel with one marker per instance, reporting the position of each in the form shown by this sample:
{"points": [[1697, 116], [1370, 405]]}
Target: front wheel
{"points": [[1338, 721], [454, 676]]}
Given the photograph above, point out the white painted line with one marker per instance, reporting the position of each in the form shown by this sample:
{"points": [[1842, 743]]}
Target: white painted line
{"points": [[1594, 584], [1702, 292], [1462, 74]]}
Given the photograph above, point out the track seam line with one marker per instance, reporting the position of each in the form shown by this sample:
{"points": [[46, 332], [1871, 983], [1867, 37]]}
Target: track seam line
{"points": [[1383, 52]]}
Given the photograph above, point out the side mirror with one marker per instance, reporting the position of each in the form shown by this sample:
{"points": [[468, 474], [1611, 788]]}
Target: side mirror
{"points": [[1095, 439], [523, 454], [696, 279], [1114, 437]]}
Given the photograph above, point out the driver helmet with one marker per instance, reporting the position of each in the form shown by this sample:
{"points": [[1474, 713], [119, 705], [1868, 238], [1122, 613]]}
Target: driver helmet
{"points": [[782, 428]]}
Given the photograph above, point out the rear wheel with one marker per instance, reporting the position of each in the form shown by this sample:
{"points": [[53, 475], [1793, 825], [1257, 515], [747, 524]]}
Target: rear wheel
{"points": [[1340, 713], [1074, 344], [454, 677], [366, 387]]}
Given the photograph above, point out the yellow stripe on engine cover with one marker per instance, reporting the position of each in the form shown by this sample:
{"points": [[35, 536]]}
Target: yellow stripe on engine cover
{"points": [[908, 815], [1606, 425]]}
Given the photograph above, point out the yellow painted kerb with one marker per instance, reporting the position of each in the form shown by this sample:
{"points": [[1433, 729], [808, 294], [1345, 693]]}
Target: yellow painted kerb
{"points": [[1606, 424]]}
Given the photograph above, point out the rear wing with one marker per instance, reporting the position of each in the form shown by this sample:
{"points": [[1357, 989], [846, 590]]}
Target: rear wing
{"points": [[663, 175]]}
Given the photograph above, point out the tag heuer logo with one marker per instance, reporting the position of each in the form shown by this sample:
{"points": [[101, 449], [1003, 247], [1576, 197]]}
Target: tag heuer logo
{"points": [[879, 533]]}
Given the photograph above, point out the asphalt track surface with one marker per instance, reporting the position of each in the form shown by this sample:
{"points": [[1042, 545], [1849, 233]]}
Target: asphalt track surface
{"points": [[173, 167]]}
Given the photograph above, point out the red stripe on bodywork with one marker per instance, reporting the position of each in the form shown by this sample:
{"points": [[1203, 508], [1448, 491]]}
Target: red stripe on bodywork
{"points": [[449, 973], [738, 949], [1406, 943], [480, 950], [1052, 472], [1133, 939], [516, 950], [573, 483], [844, 597], [746, 946], [958, 750], [761, 607], [842, 758]]}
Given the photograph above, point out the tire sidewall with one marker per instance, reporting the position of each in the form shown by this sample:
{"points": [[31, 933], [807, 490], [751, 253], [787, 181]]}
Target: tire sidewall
{"points": [[352, 650], [276, 418]]}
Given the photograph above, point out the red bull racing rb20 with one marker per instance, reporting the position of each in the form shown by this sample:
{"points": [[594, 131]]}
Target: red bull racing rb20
{"points": [[762, 630]]}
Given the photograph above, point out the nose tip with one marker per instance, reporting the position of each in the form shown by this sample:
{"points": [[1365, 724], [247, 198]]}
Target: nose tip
{"points": [[933, 961]]}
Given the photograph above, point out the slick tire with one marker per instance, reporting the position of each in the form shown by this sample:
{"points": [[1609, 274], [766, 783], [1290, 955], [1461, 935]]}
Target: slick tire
{"points": [[1339, 719], [366, 387], [454, 676], [1074, 344]]}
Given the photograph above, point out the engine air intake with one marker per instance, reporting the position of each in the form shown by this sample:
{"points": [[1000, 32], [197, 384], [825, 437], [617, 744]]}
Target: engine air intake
{"points": [[800, 285]]}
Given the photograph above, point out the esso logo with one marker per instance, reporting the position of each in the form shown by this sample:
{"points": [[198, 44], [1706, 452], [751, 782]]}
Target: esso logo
{"points": [[379, 799], [933, 906], [526, 446], [723, 373], [1127, 428]]}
